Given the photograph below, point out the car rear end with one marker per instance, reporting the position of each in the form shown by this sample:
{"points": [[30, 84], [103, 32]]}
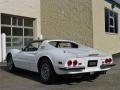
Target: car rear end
{"points": [[89, 64]]}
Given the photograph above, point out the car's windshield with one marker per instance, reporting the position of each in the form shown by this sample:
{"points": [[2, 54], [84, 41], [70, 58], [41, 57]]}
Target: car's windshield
{"points": [[64, 44]]}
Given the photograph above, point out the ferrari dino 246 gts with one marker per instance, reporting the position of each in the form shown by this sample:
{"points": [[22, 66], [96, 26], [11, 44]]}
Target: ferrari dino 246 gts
{"points": [[58, 57]]}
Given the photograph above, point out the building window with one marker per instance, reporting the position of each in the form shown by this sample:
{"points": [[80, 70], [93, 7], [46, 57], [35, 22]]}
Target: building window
{"points": [[6, 19], [19, 30], [6, 30], [111, 21]]}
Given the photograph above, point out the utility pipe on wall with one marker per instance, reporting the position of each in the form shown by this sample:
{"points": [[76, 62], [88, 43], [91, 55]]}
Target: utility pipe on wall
{"points": [[3, 49], [0, 49]]}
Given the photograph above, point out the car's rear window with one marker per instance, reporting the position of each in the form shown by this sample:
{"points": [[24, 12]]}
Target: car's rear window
{"points": [[63, 44]]}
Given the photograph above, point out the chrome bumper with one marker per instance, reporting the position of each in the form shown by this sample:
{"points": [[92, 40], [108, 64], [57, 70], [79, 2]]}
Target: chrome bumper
{"points": [[107, 66], [70, 69], [82, 68]]}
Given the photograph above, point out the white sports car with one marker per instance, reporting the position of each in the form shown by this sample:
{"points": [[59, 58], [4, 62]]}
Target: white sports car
{"points": [[58, 57]]}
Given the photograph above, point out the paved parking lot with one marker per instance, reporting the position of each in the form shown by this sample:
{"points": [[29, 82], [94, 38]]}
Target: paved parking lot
{"points": [[24, 80]]}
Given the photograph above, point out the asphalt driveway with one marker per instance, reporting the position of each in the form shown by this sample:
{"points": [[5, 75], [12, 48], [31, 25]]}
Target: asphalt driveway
{"points": [[24, 80]]}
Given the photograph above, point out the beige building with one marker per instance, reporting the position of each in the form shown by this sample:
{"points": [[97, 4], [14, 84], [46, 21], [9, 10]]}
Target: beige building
{"points": [[94, 23], [83, 21]]}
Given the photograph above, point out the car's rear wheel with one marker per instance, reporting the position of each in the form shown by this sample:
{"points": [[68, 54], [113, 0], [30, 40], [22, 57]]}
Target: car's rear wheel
{"points": [[10, 63], [47, 73]]}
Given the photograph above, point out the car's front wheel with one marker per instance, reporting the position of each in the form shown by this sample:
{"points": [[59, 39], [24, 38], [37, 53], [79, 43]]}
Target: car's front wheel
{"points": [[47, 73], [10, 63]]}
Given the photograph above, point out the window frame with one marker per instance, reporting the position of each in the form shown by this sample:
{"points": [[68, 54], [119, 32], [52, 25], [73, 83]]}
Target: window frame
{"points": [[22, 27], [108, 18]]}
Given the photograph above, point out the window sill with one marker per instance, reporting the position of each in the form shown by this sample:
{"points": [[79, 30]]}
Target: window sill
{"points": [[111, 33]]}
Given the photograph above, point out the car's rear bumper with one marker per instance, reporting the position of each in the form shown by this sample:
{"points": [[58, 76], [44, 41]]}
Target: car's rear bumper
{"points": [[107, 66], [82, 69], [70, 69]]}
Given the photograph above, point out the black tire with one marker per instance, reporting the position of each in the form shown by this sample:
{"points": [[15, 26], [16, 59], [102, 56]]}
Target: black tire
{"points": [[10, 63], [46, 70]]}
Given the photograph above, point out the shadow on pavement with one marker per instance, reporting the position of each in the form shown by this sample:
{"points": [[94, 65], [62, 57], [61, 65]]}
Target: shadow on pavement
{"points": [[61, 80]]}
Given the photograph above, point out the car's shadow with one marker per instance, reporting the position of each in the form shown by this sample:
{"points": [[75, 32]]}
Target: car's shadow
{"points": [[60, 80]]}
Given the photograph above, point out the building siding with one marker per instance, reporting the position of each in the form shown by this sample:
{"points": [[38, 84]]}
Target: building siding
{"points": [[106, 42], [67, 19]]}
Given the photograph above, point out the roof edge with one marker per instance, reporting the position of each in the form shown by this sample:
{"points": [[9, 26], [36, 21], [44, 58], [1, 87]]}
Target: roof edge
{"points": [[114, 3]]}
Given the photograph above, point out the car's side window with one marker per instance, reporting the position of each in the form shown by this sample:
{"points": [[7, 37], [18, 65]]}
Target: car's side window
{"points": [[33, 46]]}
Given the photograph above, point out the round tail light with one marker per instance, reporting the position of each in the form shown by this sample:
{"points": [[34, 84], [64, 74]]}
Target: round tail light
{"points": [[108, 61], [69, 63], [75, 63]]}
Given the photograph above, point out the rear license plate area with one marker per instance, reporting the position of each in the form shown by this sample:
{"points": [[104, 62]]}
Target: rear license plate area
{"points": [[92, 63]]}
